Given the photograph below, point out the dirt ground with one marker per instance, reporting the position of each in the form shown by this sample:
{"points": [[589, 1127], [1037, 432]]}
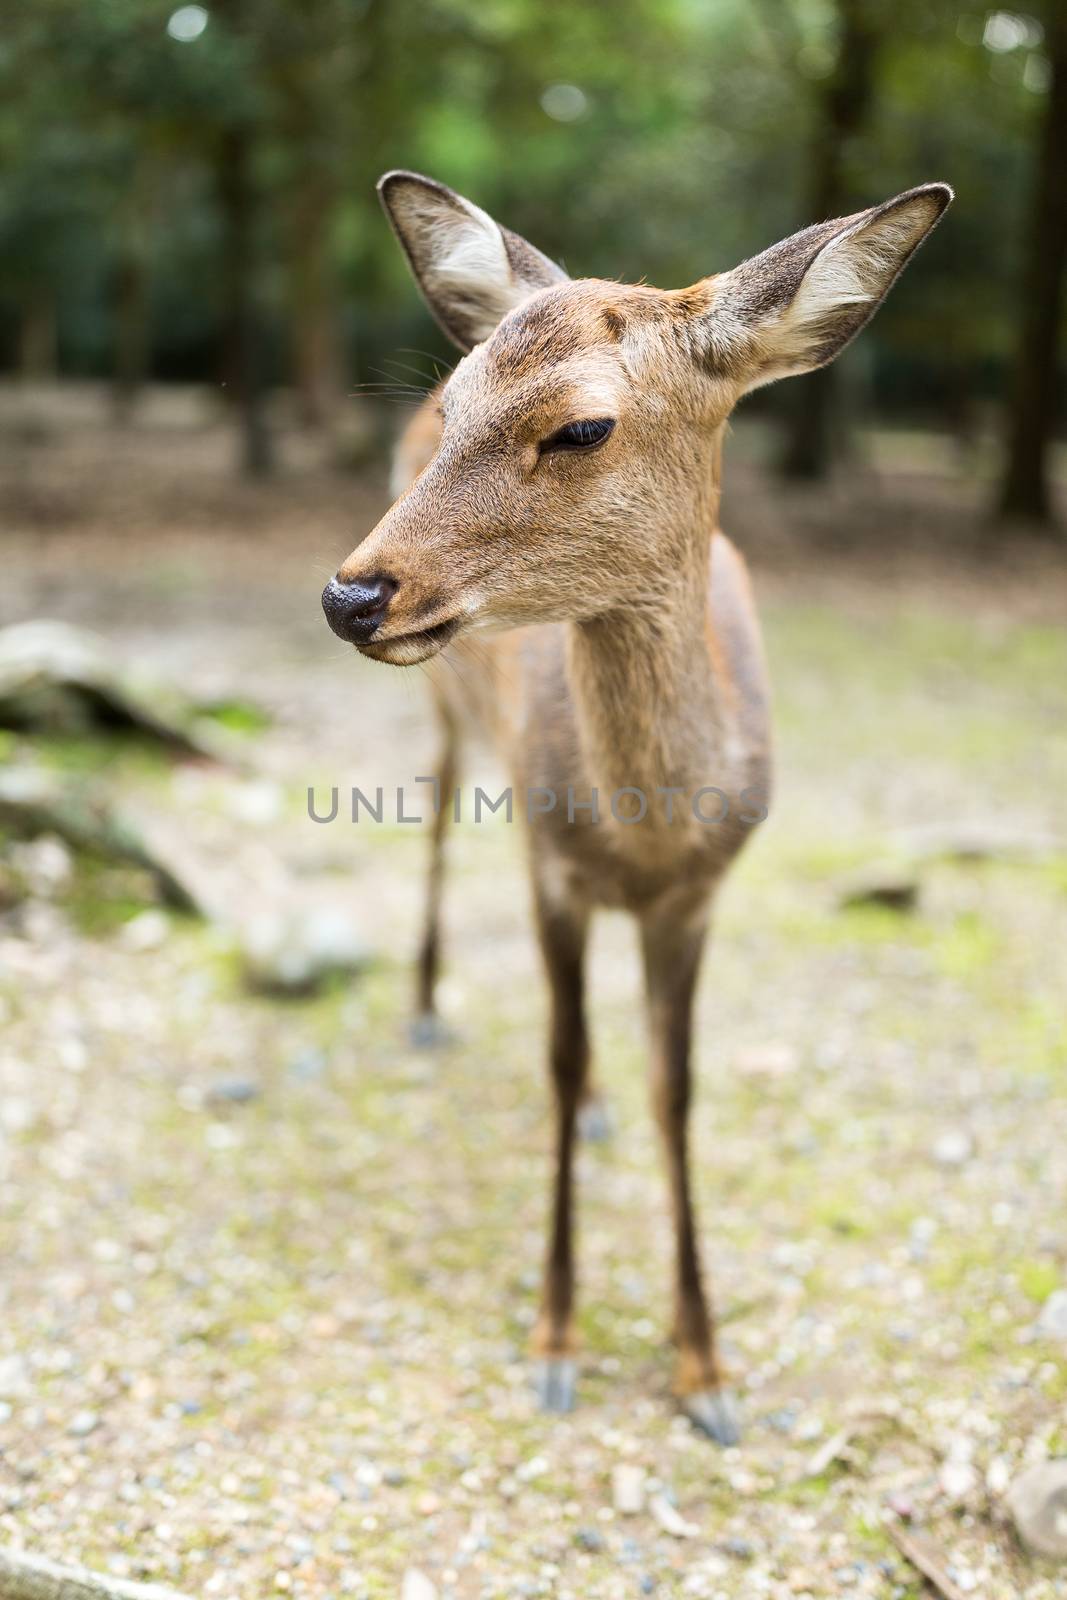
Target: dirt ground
{"points": [[269, 1273]]}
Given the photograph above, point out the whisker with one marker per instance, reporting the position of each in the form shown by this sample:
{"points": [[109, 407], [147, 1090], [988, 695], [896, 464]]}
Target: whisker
{"points": [[405, 366]]}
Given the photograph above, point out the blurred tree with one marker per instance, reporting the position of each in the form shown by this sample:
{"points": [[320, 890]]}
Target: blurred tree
{"points": [[48, 200], [1025, 492], [843, 72], [188, 189], [311, 76]]}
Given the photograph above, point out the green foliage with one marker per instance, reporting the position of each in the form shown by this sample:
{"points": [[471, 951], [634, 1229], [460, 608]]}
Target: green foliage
{"points": [[656, 138], [1038, 1279]]}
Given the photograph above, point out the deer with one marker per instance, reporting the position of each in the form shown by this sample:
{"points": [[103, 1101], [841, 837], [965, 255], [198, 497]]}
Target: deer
{"points": [[555, 536]]}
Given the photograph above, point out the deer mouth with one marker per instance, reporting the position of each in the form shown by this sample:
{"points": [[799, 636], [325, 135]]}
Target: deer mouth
{"points": [[408, 649]]}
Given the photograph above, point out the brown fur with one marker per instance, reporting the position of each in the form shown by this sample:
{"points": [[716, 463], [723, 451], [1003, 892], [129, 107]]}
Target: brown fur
{"points": [[602, 624]]}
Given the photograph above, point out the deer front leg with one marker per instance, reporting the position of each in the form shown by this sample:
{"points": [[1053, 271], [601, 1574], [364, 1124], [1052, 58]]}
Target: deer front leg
{"points": [[672, 947], [562, 930], [427, 1029]]}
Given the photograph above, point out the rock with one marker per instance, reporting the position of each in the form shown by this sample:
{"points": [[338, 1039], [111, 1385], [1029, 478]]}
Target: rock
{"points": [[147, 931], [53, 675], [83, 1423], [233, 1091], [295, 951], [417, 1586], [775, 1059], [33, 802], [589, 1539], [14, 1377], [44, 864], [1052, 1323], [308, 1065], [976, 842], [957, 1479], [256, 802], [890, 886], [628, 1489], [1037, 1501], [953, 1148], [670, 1518]]}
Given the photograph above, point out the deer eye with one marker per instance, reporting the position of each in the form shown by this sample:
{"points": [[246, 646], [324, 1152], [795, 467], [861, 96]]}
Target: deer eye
{"points": [[579, 435]]}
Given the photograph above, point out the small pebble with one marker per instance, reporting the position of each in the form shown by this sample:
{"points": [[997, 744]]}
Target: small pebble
{"points": [[417, 1586], [83, 1423], [1052, 1323], [308, 1065], [953, 1148], [147, 931], [775, 1059], [233, 1091], [14, 1380], [628, 1489], [670, 1518]]}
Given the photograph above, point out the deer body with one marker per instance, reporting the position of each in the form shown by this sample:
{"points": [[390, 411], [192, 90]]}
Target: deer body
{"points": [[556, 534]]}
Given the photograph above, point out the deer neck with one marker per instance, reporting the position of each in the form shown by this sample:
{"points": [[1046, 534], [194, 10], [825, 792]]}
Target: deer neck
{"points": [[648, 698]]}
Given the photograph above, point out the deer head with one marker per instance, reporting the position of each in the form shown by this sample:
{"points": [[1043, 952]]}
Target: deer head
{"points": [[576, 464]]}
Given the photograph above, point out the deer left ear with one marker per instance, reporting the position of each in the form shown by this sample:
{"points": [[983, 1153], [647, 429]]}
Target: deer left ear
{"points": [[797, 305], [471, 271]]}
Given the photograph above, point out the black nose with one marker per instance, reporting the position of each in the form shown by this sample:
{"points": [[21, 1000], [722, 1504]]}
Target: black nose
{"points": [[354, 610]]}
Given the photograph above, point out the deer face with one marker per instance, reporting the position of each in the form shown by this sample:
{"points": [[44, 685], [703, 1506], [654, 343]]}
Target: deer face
{"points": [[576, 449]]}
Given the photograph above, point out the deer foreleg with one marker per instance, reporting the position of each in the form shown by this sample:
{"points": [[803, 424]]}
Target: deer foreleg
{"points": [[672, 948], [562, 931]]}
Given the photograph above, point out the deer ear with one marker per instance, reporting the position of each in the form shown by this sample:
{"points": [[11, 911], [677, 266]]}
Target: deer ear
{"points": [[797, 305], [471, 271]]}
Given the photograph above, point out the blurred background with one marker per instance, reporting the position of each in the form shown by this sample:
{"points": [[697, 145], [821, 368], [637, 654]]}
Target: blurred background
{"points": [[269, 1273], [188, 194]]}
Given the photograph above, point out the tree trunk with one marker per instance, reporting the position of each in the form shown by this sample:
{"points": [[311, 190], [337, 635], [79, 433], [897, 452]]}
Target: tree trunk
{"points": [[244, 353], [38, 336], [131, 333], [1026, 491], [843, 102], [131, 304], [318, 358]]}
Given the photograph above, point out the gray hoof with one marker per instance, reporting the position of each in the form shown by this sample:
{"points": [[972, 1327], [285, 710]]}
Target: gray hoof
{"points": [[715, 1412], [428, 1032], [554, 1383], [595, 1122]]}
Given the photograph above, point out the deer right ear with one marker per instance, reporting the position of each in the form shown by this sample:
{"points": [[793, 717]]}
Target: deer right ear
{"points": [[471, 271]]}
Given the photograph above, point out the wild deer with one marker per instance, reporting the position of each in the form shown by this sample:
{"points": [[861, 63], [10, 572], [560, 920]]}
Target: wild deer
{"points": [[561, 490]]}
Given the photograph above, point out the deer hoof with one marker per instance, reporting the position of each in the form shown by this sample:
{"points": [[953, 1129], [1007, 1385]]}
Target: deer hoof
{"points": [[428, 1032], [554, 1383], [715, 1412], [595, 1122]]}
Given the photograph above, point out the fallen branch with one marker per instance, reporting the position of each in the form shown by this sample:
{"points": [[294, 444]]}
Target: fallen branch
{"points": [[33, 802], [28, 1577], [925, 1559]]}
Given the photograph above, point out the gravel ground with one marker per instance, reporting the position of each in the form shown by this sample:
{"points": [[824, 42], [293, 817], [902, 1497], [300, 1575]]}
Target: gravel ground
{"points": [[269, 1274]]}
